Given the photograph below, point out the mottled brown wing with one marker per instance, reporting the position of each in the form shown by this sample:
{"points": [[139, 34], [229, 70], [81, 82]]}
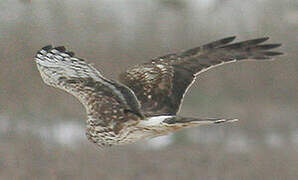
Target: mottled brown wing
{"points": [[107, 102], [161, 83]]}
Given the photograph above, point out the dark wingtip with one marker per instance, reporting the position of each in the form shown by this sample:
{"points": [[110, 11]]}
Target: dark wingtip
{"points": [[60, 48], [247, 43], [272, 53], [70, 53], [47, 47], [258, 40], [218, 43], [254, 41], [268, 46], [228, 39]]}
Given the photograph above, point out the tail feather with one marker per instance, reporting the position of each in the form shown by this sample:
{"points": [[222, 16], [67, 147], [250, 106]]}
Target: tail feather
{"points": [[196, 121]]}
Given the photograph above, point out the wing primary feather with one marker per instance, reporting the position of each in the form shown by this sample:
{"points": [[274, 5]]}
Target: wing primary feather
{"points": [[267, 46], [206, 47], [247, 43], [47, 47], [220, 42], [70, 53], [60, 48], [272, 53]]}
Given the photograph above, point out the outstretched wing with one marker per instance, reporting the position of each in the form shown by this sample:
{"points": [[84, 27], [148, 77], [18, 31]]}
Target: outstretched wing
{"points": [[161, 83], [107, 102]]}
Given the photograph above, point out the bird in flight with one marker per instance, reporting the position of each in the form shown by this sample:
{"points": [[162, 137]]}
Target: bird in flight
{"points": [[145, 101]]}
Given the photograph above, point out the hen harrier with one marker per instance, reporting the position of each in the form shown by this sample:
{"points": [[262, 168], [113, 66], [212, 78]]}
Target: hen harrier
{"points": [[145, 103]]}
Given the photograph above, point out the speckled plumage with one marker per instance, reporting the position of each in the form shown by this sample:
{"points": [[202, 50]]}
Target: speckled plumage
{"points": [[145, 103]]}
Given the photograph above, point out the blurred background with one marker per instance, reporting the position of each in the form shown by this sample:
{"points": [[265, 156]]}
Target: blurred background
{"points": [[42, 128]]}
